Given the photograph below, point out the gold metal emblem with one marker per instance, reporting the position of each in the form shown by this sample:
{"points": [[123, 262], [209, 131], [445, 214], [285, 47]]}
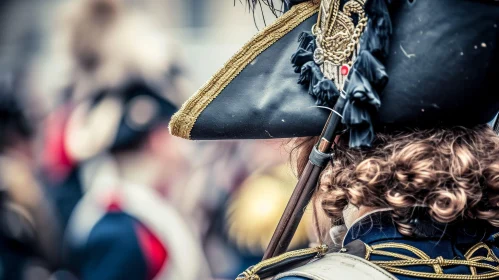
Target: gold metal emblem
{"points": [[338, 36]]}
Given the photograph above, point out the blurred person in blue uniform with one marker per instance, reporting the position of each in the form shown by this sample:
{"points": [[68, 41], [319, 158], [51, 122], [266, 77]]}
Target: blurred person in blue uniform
{"points": [[390, 102], [121, 218], [108, 140], [29, 230]]}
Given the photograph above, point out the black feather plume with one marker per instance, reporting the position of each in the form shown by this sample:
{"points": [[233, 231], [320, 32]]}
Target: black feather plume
{"points": [[260, 4]]}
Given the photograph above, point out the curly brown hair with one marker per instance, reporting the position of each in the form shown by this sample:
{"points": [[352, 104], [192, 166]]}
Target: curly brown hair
{"points": [[452, 172]]}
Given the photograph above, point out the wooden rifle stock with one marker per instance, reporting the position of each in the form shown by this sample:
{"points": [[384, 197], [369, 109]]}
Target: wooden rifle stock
{"points": [[294, 211], [304, 189]]}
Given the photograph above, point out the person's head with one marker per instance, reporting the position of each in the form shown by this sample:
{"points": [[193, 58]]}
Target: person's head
{"points": [[453, 173], [126, 73], [393, 70], [106, 43]]}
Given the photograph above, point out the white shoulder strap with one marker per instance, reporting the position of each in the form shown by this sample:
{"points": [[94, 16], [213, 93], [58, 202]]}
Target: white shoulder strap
{"points": [[186, 258], [339, 266]]}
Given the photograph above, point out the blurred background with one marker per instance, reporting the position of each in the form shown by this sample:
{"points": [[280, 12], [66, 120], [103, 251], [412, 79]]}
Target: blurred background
{"points": [[92, 185]]}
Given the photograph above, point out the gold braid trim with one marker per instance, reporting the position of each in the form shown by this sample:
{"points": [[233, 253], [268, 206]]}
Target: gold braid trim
{"points": [[252, 272], [183, 121], [403, 260], [414, 250], [420, 275]]}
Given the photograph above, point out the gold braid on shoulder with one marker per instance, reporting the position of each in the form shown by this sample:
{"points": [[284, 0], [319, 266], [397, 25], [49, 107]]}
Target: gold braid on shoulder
{"points": [[488, 263]]}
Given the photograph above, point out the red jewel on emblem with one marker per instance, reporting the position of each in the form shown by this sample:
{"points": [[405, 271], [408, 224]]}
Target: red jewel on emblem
{"points": [[344, 70]]}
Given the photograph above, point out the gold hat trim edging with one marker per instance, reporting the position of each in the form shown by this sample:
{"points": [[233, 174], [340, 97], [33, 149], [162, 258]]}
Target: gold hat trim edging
{"points": [[183, 121]]}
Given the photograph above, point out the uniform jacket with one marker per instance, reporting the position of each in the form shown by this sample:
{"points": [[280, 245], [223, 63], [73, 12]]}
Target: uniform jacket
{"points": [[119, 230], [437, 250]]}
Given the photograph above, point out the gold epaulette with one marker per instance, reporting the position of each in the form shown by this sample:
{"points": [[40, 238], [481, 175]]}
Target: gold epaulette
{"points": [[281, 263]]}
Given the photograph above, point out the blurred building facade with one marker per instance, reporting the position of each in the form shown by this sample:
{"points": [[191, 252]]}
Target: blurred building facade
{"points": [[211, 31]]}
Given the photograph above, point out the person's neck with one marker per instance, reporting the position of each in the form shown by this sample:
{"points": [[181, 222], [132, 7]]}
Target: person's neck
{"points": [[352, 213], [136, 167], [378, 224]]}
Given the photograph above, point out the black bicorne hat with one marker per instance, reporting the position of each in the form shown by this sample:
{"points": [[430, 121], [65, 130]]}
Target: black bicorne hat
{"points": [[398, 63], [138, 97], [116, 119]]}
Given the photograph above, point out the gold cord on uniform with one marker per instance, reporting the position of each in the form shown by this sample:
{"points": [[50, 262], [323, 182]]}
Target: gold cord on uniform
{"points": [[402, 260]]}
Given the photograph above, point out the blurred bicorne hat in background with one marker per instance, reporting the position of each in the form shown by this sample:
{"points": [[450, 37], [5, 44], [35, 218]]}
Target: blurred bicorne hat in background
{"points": [[116, 119], [124, 76]]}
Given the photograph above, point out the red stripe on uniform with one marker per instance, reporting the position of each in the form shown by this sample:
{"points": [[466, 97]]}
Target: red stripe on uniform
{"points": [[155, 253]]}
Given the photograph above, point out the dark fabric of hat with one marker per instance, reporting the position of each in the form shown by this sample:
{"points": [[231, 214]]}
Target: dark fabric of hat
{"points": [[434, 64], [130, 132]]}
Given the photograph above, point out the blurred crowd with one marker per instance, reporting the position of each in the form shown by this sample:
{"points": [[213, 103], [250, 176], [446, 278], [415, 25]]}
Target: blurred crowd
{"points": [[92, 185]]}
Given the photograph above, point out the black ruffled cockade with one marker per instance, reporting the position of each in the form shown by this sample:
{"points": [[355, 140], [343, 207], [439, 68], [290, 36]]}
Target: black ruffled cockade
{"points": [[376, 37], [305, 52], [366, 79], [368, 76], [324, 90], [372, 69], [362, 101]]}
